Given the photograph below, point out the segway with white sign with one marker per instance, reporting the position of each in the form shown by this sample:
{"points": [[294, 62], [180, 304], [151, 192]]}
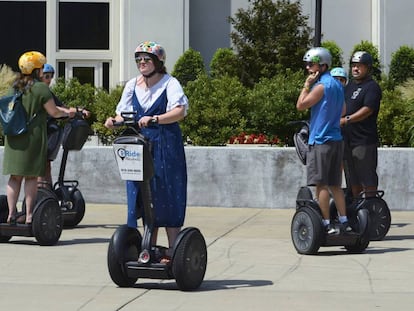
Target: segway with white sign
{"points": [[131, 255]]}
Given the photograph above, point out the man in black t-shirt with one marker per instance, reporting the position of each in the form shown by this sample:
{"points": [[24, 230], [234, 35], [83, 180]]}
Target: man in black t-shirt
{"points": [[362, 97]]}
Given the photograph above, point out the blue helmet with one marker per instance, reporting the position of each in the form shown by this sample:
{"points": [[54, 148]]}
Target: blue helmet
{"points": [[339, 72], [47, 68]]}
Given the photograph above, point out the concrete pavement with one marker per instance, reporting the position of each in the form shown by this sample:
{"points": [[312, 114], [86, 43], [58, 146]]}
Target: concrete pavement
{"points": [[252, 265]]}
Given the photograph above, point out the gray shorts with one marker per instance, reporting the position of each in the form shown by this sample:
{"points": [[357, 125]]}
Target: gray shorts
{"points": [[361, 163], [324, 164]]}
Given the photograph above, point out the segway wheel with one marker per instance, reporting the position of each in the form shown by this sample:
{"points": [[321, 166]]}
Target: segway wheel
{"points": [[189, 262], [380, 218], [4, 212], [362, 226], [47, 221], [78, 204], [306, 231], [125, 245]]}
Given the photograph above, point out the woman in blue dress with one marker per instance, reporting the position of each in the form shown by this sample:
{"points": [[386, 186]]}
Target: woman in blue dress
{"points": [[158, 98]]}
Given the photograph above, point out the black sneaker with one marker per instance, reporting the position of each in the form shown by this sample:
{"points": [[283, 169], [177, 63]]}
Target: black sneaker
{"points": [[346, 227], [330, 229]]}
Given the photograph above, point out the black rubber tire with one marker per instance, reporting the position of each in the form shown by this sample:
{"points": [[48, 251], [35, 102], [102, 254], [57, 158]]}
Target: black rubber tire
{"points": [[362, 226], [380, 218], [4, 212], [47, 221], [78, 202], [190, 260], [118, 255], [306, 231]]}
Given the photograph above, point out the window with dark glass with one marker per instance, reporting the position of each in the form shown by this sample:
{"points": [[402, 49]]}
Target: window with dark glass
{"points": [[84, 74], [22, 29], [83, 25]]}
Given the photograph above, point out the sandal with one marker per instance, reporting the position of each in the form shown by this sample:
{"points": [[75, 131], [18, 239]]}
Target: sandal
{"points": [[166, 260], [21, 219]]}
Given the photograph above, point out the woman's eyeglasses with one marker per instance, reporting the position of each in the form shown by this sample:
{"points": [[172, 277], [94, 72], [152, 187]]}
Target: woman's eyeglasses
{"points": [[146, 59], [48, 76]]}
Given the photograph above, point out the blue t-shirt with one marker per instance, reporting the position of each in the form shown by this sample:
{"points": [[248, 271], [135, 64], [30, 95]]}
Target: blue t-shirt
{"points": [[326, 114]]}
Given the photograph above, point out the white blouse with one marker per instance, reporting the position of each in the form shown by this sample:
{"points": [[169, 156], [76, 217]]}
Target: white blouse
{"points": [[148, 96]]}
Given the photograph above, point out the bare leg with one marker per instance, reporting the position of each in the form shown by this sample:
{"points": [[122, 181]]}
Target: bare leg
{"points": [[12, 192], [356, 190], [339, 198], [154, 236], [323, 198], [46, 181], [172, 233], [30, 191]]}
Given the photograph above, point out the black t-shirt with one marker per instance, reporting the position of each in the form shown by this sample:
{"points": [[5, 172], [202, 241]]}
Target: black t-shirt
{"points": [[368, 93], [52, 125]]}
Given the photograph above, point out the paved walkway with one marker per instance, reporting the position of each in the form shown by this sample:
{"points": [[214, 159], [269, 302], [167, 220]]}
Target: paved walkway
{"points": [[252, 265]]}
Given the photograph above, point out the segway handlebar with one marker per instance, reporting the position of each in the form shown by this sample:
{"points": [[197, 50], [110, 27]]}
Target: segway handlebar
{"points": [[129, 120]]}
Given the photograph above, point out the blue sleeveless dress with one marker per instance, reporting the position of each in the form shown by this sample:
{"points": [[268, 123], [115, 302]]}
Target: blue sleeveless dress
{"points": [[169, 184]]}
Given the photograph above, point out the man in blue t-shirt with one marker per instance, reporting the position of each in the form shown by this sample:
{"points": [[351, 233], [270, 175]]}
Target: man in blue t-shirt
{"points": [[324, 95], [362, 97]]}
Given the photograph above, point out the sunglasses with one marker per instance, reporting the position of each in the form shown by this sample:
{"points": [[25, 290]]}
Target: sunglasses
{"points": [[309, 64], [145, 59], [48, 76]]}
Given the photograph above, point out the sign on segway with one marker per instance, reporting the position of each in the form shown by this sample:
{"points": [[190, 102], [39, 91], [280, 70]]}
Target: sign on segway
{"points": [[129, 159]]}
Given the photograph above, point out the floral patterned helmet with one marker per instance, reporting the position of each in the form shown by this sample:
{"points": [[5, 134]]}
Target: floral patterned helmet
{"points": [[30, 61], [153, 48]]}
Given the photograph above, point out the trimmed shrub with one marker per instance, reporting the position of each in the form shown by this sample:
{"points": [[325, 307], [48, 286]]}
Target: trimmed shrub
{"points": [[188, 67]]}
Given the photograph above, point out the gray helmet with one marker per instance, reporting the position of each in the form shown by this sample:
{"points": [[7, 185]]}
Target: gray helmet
{"points": [[318, 55], [362, 57]]}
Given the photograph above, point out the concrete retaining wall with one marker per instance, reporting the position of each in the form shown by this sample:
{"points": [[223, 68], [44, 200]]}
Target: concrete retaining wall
{"points": [[262, 177]]}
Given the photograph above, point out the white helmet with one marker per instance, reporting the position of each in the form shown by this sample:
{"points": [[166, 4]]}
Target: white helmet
{"points": [[318, 55]]}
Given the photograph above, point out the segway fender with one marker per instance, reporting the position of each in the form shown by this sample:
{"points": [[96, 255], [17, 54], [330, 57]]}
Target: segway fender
{"points": [[181, 235], [363, 222], [120, 240]]}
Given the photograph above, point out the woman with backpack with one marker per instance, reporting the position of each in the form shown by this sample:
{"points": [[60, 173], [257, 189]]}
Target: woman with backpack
{"points": [[25, 154]]}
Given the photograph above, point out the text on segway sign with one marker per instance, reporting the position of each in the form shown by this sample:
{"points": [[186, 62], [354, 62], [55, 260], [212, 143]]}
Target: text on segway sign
{"points": [[129, 159]]}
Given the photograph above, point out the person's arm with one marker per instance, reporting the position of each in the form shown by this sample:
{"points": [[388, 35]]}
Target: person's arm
{"points": [[359, 115], [109, 123], [53, 110], [308, 98], [174, 115]]}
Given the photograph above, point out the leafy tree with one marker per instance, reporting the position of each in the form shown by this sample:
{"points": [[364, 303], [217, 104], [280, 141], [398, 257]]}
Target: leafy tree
{"points": [[272, 105], [373, 50], [336, 52], [74, 94], [394, 118], [269, 36], [215, 112], [188, 67], [401, 67], [105, 106], [225, 62]]}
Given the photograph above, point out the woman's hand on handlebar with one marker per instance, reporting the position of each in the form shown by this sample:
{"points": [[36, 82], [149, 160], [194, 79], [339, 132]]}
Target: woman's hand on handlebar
{"points": [[146, 121], [109, 123]]}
